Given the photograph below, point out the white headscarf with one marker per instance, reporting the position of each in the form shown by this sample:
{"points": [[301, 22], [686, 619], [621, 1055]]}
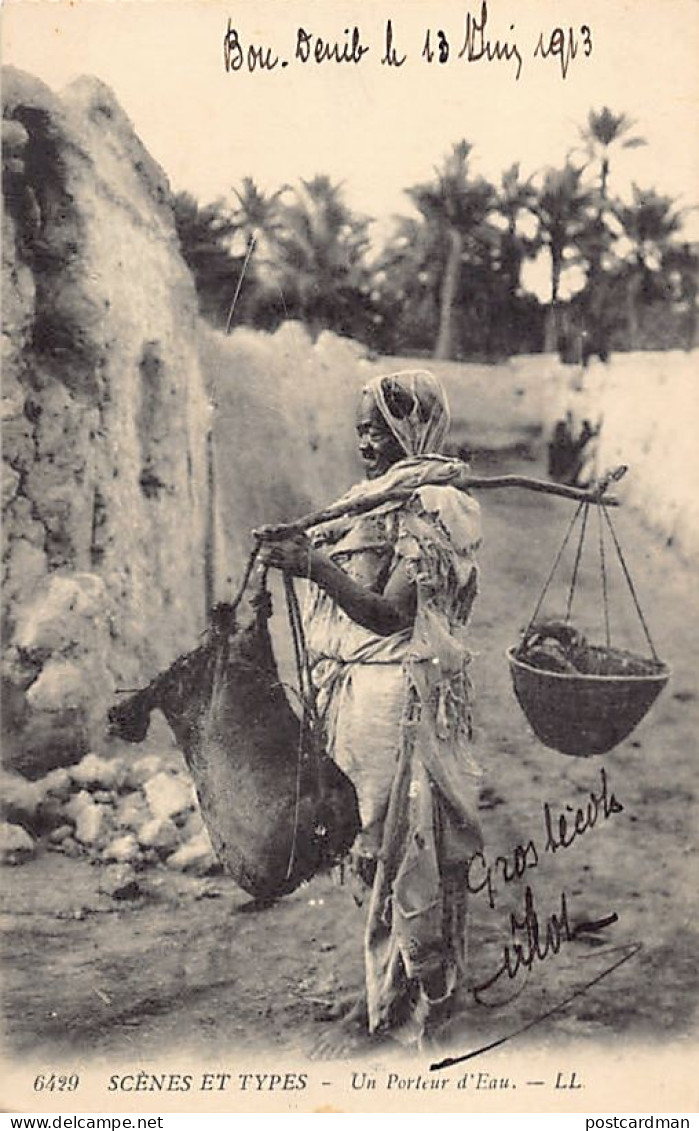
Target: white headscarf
{"points": [[414, 405]]}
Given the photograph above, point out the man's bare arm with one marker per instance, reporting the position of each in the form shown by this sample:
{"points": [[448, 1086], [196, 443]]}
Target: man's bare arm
{"points": [[382, 613]]}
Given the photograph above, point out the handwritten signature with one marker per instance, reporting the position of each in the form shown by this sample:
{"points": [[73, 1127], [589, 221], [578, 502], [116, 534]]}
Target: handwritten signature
{"points": [[535, 943], [532, 937]]}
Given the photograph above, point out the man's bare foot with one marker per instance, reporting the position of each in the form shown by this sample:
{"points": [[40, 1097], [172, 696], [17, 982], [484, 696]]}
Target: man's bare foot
{"points": [[343, 1039], [350, 1008], [348, 1034]]}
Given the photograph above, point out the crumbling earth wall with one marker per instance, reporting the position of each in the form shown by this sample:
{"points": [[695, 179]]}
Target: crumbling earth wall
{"points": [[284, 430], [105, 419], [645, 407]]}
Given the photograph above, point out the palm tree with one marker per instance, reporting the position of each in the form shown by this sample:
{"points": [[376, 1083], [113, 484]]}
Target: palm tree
{"points": [[603, 132], [514, 197], [205, 233], [562, 212], [256, 216], [457, 206], [648, 223], [320, 247], [407, 277]]}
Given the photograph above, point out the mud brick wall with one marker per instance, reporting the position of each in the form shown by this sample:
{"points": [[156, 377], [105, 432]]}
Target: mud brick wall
{"points": [[284, 430], [646, 406], [105, 419]]}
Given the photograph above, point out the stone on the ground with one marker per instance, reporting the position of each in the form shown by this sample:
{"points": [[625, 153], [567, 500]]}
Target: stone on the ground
{"points": [[49, 815], [58, 783], [88, 817], [120, 882], [138, 772], [160, 834], [16, 845], [98, 773], [104, 796], [60, 834], [29, 804], [79, 801], [19, 799], [132, 812], [122, 850], [196, 856], [89, 826], [169, 795]]}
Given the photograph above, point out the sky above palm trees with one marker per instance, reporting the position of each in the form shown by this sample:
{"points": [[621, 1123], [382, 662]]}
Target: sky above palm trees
{"points": [[375, 128]]}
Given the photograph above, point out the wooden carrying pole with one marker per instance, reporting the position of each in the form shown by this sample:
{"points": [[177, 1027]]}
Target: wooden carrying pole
{"points": [[594, 495]]}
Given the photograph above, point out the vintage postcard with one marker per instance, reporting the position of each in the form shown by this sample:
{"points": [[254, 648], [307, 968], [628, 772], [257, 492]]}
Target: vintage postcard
{"points": [[349, 583]]}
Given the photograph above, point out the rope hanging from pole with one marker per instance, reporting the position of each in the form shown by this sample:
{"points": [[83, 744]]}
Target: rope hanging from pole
{"points": [[603, 568], [630, 584], [554, 567], [310, 723], [251, 248], [576, 565]]}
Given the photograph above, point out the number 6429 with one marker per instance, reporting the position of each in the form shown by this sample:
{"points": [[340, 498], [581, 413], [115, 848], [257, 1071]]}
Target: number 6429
{"points": [[50, 1082]]}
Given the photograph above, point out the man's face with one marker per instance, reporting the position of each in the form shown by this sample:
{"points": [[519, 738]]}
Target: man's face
{"points": [[378, 446]]}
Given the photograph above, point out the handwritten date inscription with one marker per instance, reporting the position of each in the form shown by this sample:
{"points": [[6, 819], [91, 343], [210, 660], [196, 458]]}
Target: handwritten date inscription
{"points": [[477, 40]]}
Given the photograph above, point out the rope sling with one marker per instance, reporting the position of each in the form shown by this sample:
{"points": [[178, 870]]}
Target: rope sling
{"points": [[311, 736]]}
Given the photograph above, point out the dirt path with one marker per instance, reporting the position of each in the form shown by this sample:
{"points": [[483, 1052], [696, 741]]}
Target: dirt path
{"points": [[189, 966]]}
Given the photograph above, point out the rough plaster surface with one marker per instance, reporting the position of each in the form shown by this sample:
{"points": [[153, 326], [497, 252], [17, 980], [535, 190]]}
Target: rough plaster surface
{"points": [[646, 406], [105, 419]]}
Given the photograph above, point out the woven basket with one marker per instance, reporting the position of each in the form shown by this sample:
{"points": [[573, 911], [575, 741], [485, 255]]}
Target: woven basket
{"points": [[583, 715]]}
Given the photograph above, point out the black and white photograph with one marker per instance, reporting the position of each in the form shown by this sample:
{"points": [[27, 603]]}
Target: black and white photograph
{"points": [[351, 527]]}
